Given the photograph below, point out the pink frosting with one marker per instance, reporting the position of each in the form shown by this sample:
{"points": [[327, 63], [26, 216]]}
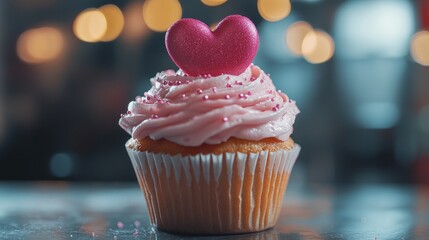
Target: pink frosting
{"points": [[191, 111]]}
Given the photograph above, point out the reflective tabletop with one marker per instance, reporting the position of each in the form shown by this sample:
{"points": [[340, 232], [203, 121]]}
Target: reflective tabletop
{"points": [[62, 210]]}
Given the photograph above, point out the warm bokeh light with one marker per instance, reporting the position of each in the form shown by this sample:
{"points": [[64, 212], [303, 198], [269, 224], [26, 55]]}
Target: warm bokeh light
{"points": [[40, 45], [295, 36], [420, 48], [213, 26], [90, 25], [213, 3], [274, 10], [318, 47], [115, 22], [159, 15], [135, 29]]}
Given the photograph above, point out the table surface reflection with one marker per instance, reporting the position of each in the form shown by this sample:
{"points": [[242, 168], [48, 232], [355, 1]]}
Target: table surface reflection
{"points": [[61, 210]]}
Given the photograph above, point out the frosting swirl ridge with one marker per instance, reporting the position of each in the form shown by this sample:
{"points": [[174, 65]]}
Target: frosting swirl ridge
{"points": [[191, 111]]}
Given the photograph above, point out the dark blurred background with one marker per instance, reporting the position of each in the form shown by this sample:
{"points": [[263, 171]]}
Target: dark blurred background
{"points": [[357, 69]]}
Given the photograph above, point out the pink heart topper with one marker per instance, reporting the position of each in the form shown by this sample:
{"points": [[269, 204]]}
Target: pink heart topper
{"points": [[229, 49]]}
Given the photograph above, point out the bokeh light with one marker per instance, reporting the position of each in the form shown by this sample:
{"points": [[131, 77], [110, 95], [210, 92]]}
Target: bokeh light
{"points": [[295, 35], [377, 115], [159, 15], [115, 22], [309, 43], [61, 165], [90, 25], [272, 44], [40, 45], [274, 10], [135, 29], [420, 48], [213, 3], [213, 26], [318, 47], [368, 29]]}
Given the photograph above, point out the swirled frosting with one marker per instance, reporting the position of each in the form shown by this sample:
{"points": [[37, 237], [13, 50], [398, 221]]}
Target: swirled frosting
{"points": [[191, 111]]}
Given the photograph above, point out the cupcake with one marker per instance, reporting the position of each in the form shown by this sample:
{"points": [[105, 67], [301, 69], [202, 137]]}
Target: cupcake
{"points": [[212, 148]]}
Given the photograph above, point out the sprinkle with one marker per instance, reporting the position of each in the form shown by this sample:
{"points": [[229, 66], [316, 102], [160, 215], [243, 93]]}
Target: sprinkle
{"points": [[137, 223], [227, 96], [187, 81], [129, 112], [249, 93], [228, 85], [227, 78], [205, 97], [122, 115], [252, 78], [148, 97], [199, 91], [241, 95], [225, 119], [183, 95], [214, 89], [154, 116], [170, 83], [277, 105], [120, 225], [262, 81], [178, 82], [164, 82], [272, 99], [275, 109]]}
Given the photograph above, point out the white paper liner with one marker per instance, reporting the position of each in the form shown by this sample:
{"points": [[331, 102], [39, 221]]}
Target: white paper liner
{"points": [[212, 194]]}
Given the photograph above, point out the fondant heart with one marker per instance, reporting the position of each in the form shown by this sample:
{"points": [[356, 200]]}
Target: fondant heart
{"points": [[197, 50]]}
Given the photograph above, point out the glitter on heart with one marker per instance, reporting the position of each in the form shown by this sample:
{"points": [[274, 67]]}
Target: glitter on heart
{"points": [[198, 51]]}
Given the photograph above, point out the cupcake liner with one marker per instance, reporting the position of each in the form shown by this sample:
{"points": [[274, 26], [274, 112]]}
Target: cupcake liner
{"points": [[214, 194]]}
